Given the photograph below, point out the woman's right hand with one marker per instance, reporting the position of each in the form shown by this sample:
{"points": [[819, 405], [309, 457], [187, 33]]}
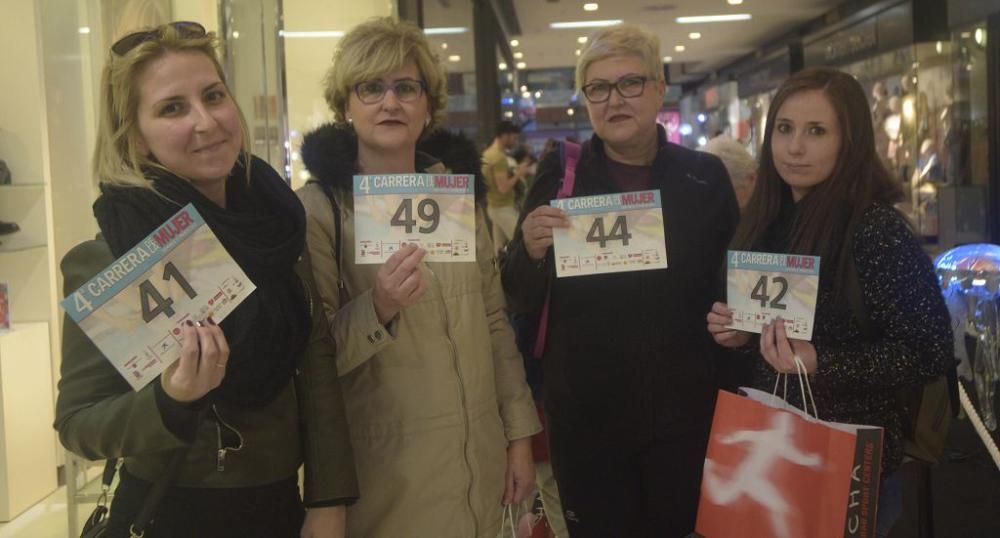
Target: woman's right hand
{"points": [[718, 318], [202, 365], [536, 229], [398, 283]]}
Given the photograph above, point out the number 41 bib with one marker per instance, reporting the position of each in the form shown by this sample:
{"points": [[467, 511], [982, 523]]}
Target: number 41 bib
{"points": [[133, 309], [761, 286], [610, 233], [433, 211]]}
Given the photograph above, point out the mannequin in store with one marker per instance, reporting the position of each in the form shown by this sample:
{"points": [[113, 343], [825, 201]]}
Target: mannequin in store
{"points": [[252, 398]]}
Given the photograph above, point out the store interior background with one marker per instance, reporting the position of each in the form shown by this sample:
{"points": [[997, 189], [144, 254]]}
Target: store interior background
{"points": [[925, 63]]}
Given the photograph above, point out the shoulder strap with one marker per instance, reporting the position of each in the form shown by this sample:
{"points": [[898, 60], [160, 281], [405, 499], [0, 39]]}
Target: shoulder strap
{"points": [[155, 494], [339, 255], [570, 157]]}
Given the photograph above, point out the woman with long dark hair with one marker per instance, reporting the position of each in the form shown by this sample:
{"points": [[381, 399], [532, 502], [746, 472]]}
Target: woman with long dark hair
{"points": [[881, 323]]}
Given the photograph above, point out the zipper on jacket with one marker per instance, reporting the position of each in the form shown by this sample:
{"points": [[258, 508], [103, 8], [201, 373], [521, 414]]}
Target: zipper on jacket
{"points": [[461, 391], [221, 448]]}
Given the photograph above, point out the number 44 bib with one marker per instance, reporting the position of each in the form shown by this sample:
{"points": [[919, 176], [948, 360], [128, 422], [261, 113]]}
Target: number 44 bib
{"points": [[610, 233], [761, 286]]}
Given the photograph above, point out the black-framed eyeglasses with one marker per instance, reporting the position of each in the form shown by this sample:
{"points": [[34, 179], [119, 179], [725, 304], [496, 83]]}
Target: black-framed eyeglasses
{"points": [[406, 90], [187, 29], [627, 86]]}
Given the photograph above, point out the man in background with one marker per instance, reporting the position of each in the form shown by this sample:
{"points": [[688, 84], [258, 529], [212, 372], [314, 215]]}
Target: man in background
{"points": [[500, 172]]}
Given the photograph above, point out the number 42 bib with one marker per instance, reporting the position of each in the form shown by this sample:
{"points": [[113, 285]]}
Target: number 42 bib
{"points": [[761, 286]]}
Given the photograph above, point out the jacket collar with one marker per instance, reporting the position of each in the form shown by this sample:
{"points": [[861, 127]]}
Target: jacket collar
{"points": [[330, 153]]}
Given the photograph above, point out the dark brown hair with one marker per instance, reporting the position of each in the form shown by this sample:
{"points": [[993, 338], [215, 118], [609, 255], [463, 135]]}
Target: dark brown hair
{"points": [[829, 214]]}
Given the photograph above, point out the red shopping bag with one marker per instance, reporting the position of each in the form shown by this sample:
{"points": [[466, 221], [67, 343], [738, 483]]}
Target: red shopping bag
{"points": [[771, 471]]}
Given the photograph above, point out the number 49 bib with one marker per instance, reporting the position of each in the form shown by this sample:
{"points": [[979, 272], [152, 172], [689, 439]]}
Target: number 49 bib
{"points": [[761, 286], [610, 233], [433, 211]]}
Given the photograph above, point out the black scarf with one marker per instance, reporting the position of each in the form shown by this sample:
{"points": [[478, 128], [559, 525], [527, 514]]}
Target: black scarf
{"points": [[263, 229]]}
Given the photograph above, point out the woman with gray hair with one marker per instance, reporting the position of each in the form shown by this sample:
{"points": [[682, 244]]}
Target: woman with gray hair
{"points": [[630, 385], [742, 167]]}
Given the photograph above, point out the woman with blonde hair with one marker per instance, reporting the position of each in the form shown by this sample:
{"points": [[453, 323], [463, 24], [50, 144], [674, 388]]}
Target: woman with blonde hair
{"points": [[630, 380], [439, 410], [252, 398]]}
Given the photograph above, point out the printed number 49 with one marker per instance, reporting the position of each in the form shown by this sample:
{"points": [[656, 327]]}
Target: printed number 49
{"points": [[428, 210], [619, 231], [760, 292], [162, 305]]}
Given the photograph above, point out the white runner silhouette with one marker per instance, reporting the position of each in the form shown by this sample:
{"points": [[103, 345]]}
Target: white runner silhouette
{"points": [[751, 477]]}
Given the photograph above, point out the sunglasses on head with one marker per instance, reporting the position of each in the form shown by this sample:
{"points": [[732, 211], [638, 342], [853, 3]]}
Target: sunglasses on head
{"points": [[186, 29]]}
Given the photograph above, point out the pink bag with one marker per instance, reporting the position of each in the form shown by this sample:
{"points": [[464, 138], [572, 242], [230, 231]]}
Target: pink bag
{"points": [[571, 155]]}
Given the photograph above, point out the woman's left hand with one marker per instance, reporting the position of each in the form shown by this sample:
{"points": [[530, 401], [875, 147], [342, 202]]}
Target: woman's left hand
{"points": [[520, 471], [325, 522], [780, 351]]}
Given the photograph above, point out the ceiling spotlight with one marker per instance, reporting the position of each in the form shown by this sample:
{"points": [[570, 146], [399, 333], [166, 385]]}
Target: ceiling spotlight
{"points": [[734, 2], [695, 35], [526, 95], [502, 66], [679, 48], [538, 94], [521, 65], [570, 112], [582, 39], [444, 46], [667, 59], [578, 52], [454, 58], [514, 42], [518, 55], [524, 89], [591, 6]]}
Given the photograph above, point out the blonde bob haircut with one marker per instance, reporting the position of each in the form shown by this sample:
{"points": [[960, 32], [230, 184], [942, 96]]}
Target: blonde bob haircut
{"points": [[379, 46], [118, 159], [617, 41]]}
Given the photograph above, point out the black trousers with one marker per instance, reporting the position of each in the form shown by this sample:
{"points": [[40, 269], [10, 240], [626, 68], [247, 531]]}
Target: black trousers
{"points": [[628, 488], [269, 511]]}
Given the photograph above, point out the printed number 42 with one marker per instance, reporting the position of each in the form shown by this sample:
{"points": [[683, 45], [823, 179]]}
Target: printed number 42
{"points": [[760, 292], [160, 304], [619, 232]]}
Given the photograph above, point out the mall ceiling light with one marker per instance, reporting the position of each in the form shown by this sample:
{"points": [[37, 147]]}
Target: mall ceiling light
{"points": [[734, 2], [668, 59], [695, 35], [679, 48], [584, 24], [714, 18], [454, 58], [518, 55], [521, 65], [446, 30], [590, 6], [310, 34], [582, 39], [502, 66], [514, 42]]}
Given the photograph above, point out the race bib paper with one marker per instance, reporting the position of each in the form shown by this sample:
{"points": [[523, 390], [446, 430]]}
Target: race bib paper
{"points": [[436, 212], [133, 309], [761, 287], [610, 233]]}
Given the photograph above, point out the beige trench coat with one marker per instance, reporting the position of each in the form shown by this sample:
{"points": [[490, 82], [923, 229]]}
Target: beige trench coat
{"points": [[433, 402]]}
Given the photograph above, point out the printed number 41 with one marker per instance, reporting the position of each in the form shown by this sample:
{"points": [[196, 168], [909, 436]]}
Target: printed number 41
{"points": [[619, 231], [760, 292], [162, 305]]}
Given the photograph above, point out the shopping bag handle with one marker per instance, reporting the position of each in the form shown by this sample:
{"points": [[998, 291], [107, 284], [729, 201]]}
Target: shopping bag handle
{"points": [[508, 516], [803, 375]]}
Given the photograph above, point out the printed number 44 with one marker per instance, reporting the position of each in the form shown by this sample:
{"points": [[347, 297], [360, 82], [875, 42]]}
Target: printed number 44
{"points": [[160, 304], [760, 292], [619, 232]]}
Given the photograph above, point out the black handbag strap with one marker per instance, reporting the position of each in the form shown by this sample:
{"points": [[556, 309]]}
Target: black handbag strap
{"points": [[156, 493]]}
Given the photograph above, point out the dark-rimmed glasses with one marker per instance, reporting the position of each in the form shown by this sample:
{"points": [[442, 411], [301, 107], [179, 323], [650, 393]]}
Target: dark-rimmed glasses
{"points": [[627, 86], [186, 29], [406, 90]]}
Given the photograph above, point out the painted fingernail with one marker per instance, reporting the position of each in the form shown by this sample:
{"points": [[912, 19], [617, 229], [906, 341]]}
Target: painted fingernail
{"points": [[189, 323], [211, 321]]}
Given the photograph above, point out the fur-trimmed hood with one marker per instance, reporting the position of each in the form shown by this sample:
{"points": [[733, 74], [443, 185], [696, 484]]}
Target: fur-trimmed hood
{"points": [[330, 153]]}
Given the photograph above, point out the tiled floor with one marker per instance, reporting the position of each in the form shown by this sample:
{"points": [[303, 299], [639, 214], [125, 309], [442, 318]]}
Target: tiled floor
{"points": [[48, 518]]}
